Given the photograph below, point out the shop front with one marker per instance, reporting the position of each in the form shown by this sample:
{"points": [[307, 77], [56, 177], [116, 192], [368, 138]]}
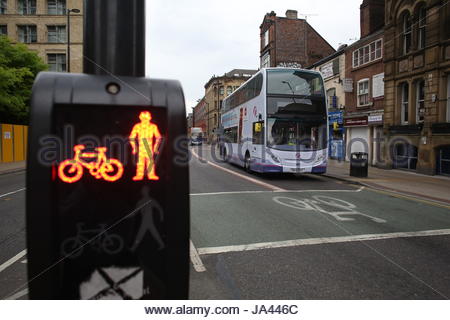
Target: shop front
{"points": [[357, 135], [364, 133]]}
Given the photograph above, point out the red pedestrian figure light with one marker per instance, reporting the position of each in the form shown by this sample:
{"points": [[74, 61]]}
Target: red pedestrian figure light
{"points": [[145, 139]]}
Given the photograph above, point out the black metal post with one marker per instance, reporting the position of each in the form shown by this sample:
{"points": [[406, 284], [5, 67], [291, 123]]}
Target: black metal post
{"points": [[114, 37], [68, 39]]}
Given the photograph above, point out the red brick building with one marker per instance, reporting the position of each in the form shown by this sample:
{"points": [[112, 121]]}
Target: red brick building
{"points": [[290, 42], [199, 115], [364, 84]]}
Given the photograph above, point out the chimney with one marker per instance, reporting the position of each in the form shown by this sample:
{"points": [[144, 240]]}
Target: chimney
{"points": [[291, 14], [371, 16]]}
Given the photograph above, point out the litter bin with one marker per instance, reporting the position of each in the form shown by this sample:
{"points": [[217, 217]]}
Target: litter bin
{"points": [[359, 164]]}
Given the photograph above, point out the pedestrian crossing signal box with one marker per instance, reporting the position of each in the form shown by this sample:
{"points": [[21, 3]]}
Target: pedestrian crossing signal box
{"points": [[107, 209]]}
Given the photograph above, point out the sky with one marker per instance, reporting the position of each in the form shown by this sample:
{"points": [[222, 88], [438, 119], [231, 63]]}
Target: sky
{"points": [[193, 40]]}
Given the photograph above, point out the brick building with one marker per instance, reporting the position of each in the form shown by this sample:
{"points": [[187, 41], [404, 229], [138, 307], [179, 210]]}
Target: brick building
{"points": [[333, 70], [217, 89], [41, 25], [417, 84], [364, 86], [199, 115], [290, 42]]}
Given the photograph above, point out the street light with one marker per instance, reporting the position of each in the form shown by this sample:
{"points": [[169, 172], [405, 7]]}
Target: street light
{"points": [[68, 11]]}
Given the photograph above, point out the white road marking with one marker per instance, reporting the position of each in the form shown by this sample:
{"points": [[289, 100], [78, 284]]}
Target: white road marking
{"points": [[345, 209], [13, 260], [279, 191], [12, 192], [18, 295], [24, 261], [266, 185], [313, 241], [195, 259]]}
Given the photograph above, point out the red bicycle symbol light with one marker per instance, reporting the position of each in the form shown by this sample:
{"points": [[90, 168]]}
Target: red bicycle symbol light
{"points": [[99, 166]]}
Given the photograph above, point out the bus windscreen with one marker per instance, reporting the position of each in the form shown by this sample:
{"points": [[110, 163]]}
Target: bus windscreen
{"points": [[294, 82]]}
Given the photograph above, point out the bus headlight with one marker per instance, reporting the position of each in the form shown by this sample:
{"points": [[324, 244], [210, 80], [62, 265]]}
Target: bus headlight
{"points": [[321, 157], [275, 158]]}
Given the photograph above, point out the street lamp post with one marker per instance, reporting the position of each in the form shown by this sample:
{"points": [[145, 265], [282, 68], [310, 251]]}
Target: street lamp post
{"points": [[68, 11]]}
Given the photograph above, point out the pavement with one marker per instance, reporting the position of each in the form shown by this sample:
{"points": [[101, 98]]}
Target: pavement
{"points": [[423, 186], [10, 167]]}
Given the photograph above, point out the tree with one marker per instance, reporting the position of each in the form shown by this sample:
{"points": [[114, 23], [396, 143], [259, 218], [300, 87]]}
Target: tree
{"points": [[18, 69]]}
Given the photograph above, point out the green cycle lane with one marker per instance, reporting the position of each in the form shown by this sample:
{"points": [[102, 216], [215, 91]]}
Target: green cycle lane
{"points": [[230, 219]]}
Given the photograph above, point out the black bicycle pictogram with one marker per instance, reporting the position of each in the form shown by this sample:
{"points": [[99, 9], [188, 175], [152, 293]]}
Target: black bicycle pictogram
{"points": [[98, 239]]}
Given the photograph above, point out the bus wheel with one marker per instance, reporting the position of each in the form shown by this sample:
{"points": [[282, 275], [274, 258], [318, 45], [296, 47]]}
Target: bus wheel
{"points": [[247, 162], [224, 155]]}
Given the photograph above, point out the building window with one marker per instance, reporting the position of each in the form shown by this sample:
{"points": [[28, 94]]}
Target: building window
{"points": [[332, 98], [363, 92], [422, 24], [406, 33], [56, 6], [221, 90], [404, 103], [420, 101], [229, 90], [27, 34], [378, 49], [265, 60], [3, 6], [266, 38], [56, 62], [367, 54], [27, 6], [3, 30], [56, 34]]}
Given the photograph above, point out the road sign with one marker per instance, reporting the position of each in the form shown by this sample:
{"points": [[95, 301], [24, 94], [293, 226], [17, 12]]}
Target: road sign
{"points": [[107, 202]]}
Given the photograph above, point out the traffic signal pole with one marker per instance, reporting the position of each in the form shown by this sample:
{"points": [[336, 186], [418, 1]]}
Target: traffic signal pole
{"points": [[107, 196], [114, 37]]}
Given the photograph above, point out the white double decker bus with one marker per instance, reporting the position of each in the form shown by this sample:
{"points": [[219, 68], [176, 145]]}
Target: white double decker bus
{"points": [[277, 122]]}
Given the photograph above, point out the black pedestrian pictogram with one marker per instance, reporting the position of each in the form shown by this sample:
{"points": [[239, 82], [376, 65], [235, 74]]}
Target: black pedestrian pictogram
{"points": [[150, 208]]}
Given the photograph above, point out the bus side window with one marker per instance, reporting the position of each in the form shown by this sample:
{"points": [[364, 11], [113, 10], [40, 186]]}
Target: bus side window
{"points": [[258, 132]]}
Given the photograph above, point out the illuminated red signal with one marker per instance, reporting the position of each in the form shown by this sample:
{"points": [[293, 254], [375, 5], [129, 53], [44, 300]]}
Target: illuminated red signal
{"points": [[145, 139], [71, 170]]}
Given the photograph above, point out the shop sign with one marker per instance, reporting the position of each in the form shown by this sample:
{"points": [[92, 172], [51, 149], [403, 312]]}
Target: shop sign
{"points": [[327, 70], [353, 122], [375, 118], [348, 85], [335, 116]]}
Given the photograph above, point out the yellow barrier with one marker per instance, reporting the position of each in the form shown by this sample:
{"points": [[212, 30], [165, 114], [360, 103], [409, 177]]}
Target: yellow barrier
{"points": [[13, 144]]}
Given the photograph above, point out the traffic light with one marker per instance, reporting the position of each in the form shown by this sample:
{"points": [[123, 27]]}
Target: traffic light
{"points": [[107, 202]]}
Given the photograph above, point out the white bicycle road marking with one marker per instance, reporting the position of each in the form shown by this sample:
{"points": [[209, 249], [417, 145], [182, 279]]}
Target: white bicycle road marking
{"points": [[318, 201]]}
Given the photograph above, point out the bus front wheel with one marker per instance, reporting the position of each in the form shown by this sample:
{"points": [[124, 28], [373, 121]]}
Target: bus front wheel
{"points": [[224, 155], [247, 163]]}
